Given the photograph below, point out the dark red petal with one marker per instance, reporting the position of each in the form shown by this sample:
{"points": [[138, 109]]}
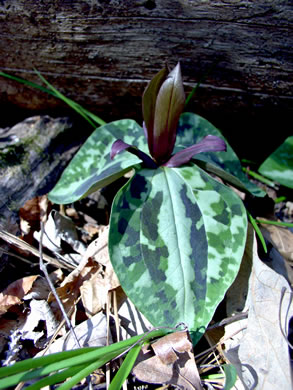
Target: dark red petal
{"points": [[169, 106], [119, 145], [210, 143], [149, 101]]}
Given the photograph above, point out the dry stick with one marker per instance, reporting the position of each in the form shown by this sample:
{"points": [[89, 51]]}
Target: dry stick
{"points": [[219, 343], [43, 207], [60, 326], [52, 288], [229, 320], [12, 239]]}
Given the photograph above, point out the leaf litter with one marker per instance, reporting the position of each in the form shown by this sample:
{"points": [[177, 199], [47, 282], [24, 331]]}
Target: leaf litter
{"points": [[84, 279]]}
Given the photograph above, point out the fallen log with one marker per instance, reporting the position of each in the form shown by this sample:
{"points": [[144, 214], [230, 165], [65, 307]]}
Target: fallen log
{"points": [[102, 53], [33, 154]]}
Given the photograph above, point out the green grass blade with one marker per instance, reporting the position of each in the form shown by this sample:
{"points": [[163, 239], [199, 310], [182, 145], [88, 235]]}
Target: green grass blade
{"points": [[28, 83], [259, 177], [45, 370], [42, 361], [230, 376], [201, 80], [37, 367], [75, 106], [55, 378], [102, 360], [191, 94], [94, 117], [276, 223], [258, 232], [89, 117], [85, 372], [85, 359], [125, 368]]}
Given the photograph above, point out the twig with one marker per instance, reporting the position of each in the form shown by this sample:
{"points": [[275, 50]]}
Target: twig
{"points": [[9, 253], [229, 320], [14, 240], [43, 207], [218, 343]]}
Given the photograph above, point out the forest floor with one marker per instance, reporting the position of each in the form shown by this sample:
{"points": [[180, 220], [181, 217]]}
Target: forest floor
{"points": [[31, 322]]}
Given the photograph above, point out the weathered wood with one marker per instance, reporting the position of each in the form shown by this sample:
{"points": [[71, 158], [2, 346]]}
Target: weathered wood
{"points": [[33, 154], [101, 53]]}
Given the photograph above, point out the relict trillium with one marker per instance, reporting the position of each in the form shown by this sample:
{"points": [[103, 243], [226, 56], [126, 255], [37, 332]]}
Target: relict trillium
{"points": [[162, 103]]}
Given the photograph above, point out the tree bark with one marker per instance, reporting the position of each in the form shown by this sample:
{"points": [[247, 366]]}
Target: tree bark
{"points": [[102, 53]]}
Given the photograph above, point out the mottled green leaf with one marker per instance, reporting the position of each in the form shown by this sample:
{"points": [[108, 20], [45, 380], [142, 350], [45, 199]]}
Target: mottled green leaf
{"points": [[279, 165], [176, 241], [192, 128], [92, 168]]}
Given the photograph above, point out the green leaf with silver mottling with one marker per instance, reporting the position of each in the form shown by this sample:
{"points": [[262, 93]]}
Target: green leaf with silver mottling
{"points": [[191, 129], [92, 168], [279, 165], [176, 241]]}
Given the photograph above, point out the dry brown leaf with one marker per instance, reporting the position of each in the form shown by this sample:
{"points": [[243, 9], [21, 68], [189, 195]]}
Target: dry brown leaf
{"points": [[281, 238], [91, 280], [69, 291], [173, 363], [94, 292], [30, 216], [14, 293]]}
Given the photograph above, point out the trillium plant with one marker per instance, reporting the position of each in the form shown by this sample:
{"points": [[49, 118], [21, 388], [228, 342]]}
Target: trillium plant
{"points": [[177, 235]]}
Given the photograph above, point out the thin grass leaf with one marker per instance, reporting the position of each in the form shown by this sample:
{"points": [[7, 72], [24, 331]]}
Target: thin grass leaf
{"points": [[75, 106], [125, 368], [41, 371], [259, 177], [201, 80], [85, 360], [191, 94], [276, 223], [42, 361], [258, 232], [27, 83], [89, 117], [230, 376], [94, 366], [55, 378], [84, 373], [38, 367], [94, 117]]}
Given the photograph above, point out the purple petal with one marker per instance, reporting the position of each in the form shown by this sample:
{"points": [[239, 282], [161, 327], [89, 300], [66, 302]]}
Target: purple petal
{"points": [[210, 143], [145, 130], [149, 99], [119, 145]]}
